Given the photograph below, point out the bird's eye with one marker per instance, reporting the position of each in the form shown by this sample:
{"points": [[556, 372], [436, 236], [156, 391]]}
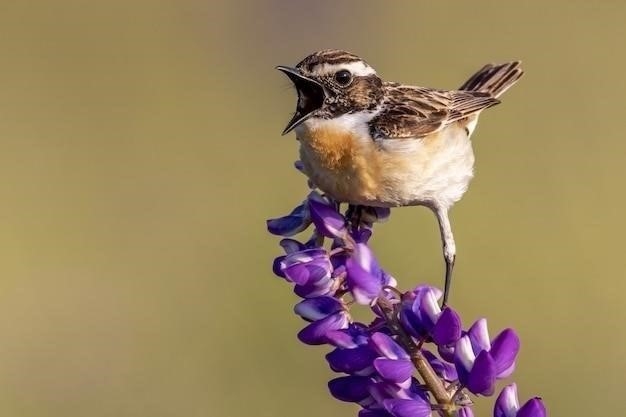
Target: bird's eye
{"points": [[343, 77]]}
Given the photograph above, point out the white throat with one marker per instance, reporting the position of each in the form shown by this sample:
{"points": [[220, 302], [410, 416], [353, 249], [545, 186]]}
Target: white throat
{"points": [[357, 122]]}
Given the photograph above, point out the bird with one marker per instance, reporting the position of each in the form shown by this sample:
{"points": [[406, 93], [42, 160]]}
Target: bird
{"points": [[369, 142]]}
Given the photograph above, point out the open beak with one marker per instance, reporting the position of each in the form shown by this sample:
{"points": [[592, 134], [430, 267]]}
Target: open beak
{"points": [[310, 96]]}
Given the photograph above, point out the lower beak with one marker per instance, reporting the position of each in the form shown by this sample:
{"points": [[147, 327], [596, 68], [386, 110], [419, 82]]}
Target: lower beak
{"points": [[311, 96]]}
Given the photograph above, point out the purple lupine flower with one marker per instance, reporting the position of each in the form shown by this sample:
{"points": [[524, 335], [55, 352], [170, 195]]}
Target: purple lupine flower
{"points": [[354, 361], [403, 402], [356, 334], [295, 222], [317, 308], [351, 388], [328, 221], [503, 348], [417, 407], [291, 245], [391, 389], [442, 368], [378, 357], [394, 364], [315, 333], [315, 288], [400, 401], [507, 405], [309, 265], [364, 276], [353, 353], [423, 318], [384, 390], [479, 362]]}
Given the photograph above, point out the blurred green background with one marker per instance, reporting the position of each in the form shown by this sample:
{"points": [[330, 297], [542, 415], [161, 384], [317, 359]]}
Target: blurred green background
{"points": [[140, 154]]}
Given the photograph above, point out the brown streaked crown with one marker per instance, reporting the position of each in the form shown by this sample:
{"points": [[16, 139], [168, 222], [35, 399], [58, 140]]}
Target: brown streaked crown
{"points": [[327, 56]]}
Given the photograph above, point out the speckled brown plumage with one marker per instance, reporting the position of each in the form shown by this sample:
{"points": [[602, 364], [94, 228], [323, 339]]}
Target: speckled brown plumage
{"points": [[414, 112]]}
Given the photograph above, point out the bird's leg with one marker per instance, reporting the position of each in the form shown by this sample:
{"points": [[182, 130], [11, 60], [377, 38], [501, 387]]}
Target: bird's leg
{"points": [[354, 215], [449, 249]]}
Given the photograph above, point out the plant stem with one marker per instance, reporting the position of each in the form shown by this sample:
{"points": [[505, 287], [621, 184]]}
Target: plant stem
{"points": [[431, 380]]}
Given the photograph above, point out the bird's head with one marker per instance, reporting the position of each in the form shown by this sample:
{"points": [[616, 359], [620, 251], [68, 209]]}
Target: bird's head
{"points": [[331, 83]]}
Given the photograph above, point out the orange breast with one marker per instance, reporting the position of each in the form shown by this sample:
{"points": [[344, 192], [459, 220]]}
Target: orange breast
{"points": [[342, 164]]}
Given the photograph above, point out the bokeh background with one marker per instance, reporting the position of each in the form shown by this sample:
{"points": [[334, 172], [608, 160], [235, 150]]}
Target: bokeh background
{"points": [[140, 154]]}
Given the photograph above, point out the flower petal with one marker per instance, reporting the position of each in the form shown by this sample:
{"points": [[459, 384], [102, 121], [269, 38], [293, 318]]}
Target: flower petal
{"points": [[364, 288], [506, 372], [317, 308], [504, 349], [277, 266], [314, 289], [482, 377], [443, 369], [315, 333], [351, 361], [507, 404], [446, 352], [412, 323], [420, 289], [428, 307], [464, 356], [364, 256], [393, 370], [447, 330], [327, 220], [407, 390], [388, 347], [298, 220], [363, 275], [408, 408], [307, 256], [341, 339], [356, 334], [533, 408], [302, 274], [479, 336], [309, 265], [291, 245], [349, 388]]}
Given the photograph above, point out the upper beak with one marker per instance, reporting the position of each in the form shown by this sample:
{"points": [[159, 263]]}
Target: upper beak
{"points": [[311, 96]]}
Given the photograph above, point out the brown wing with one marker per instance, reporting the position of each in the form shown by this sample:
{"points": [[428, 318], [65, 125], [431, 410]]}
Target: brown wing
{"points": [[413, 112]]}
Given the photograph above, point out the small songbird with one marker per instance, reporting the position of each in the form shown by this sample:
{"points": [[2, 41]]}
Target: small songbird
{"points": [[369, 142]]}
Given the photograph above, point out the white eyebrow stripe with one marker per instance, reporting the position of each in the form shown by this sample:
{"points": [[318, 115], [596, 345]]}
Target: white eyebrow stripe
{"points": [[357, 68]]}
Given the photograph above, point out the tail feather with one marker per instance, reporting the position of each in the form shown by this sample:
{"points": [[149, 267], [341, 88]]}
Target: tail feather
{"points": [[494, 79]]}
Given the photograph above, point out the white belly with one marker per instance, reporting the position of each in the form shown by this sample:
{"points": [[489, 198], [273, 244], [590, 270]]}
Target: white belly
{"points": [[437, 173]]}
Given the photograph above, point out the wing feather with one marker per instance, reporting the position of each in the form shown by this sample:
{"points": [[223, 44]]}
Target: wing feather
{"points": [[414, 112]]}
